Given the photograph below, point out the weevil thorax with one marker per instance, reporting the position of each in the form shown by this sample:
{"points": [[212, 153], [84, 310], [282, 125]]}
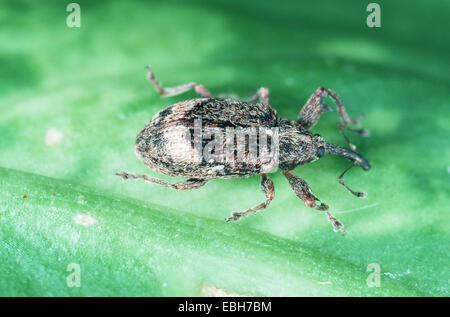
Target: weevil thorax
{"points": [[298, 146]]}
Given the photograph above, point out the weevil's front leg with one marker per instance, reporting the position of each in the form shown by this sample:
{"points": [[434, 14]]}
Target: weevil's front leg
{"points": [[303, 191], [268, 189], [262, 95], [346, 120], [173, 91], [191, 183], [315, 106]]}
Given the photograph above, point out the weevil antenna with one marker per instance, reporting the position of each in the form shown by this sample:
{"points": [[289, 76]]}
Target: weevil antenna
{"points": [[357, 194]]}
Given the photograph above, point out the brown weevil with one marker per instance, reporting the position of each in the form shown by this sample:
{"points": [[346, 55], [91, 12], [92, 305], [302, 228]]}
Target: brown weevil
{"points": [[206, 138]]}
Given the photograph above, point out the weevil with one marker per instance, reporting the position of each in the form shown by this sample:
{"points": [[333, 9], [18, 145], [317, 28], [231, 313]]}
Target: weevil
{"points": [[166, 146]]}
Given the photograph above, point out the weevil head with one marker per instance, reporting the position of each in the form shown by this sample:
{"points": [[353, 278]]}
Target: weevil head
{"points": [[298, 146], [319, 147]]}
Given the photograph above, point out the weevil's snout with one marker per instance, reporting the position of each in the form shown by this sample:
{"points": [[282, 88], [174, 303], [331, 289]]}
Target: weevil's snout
{"points": [[361, 161], [348, 154], [365, 165]]}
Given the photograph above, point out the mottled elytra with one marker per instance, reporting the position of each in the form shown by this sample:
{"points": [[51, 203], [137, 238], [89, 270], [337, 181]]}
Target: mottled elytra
{"points": [[166, 144]]}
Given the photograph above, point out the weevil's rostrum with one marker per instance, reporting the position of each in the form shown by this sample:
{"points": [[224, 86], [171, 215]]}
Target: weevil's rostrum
{"points": [[206, 138]]}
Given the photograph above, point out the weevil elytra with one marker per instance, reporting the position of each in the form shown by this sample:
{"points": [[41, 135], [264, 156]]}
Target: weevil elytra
{"points": [[166, 145]]}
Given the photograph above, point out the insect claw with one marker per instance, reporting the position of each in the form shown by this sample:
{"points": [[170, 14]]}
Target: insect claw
{"points": [[341, 228], [362, 132], [337, 225], [235, 216], [356, 119], [365, 132], [361, 194], [322, 207], [122, 175]]}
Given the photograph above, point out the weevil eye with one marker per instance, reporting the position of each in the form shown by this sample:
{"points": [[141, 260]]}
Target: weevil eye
{"points": [[320, 151]]}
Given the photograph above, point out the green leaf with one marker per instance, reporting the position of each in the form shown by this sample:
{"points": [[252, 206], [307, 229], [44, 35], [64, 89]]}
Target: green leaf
{"points": [[124, 247], [73, 99]]}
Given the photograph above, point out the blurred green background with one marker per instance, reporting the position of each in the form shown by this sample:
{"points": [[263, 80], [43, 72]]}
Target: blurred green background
{"points": [[73, 99]]}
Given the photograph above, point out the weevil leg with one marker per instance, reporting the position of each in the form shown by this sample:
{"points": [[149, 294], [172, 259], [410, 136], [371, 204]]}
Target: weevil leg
{"points": [[304, 192], [315, 106], [262, 95], [173, 91], [268, 189], [191, 183]]}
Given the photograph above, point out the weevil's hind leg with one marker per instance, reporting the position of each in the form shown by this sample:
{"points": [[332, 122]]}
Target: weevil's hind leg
{"points": [[268, 189], [303, 191], [315, 106], [191, 183], [173, 91], [262, 95]]}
